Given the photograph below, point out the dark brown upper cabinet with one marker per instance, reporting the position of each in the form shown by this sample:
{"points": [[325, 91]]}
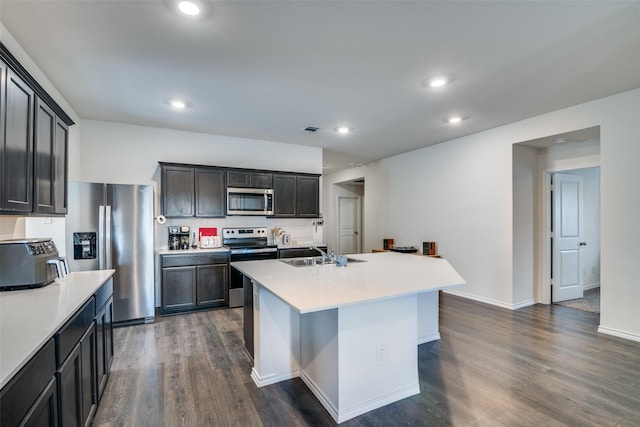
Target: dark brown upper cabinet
{"points": [[249, 179], [296, 196], [189, 191]]}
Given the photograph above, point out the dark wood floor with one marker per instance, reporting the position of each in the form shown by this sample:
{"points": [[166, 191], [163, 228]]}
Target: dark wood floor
{"points": [[537, 366]]}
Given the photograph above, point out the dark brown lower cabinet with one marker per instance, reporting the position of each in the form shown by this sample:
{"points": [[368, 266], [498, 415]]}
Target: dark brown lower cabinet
{"points": [[44, 412], [193, 282], [104, 345]]}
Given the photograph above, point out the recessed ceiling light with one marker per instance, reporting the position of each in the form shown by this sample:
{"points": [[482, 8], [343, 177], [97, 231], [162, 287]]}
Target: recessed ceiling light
{"points": [[189, 8], [561, 140], [438, 81], [176, 103], [343, 130], [454, 119]]}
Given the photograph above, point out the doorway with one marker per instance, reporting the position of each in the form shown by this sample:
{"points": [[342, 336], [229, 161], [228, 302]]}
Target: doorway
{"points": [[574, 237], [349, 206], [534, 162]]}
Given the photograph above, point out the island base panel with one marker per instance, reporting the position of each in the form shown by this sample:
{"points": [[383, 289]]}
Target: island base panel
{"points": [[276, 338], [361, 357], [428, 326]]}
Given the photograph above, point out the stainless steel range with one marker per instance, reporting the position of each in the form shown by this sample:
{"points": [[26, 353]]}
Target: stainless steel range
{"points": [[245, 244]]}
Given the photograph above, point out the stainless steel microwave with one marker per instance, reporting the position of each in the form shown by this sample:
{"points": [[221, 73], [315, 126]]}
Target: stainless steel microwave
{"points": [[249, 201]]}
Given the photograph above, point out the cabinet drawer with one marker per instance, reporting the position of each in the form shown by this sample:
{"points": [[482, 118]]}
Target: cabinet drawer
{"points": [[25, 387], [103, 294], [196, 259], [69, 335]]}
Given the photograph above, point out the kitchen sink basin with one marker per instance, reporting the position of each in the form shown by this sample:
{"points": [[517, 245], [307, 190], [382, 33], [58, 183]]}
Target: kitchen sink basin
{"points": [[314, 261]]}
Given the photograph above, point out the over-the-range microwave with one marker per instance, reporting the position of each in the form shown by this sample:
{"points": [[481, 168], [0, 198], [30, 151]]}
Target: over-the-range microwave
{"points": [[249, 201]]}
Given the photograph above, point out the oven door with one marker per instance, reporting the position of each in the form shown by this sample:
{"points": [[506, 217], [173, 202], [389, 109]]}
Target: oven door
{"points": [[235, 277]]}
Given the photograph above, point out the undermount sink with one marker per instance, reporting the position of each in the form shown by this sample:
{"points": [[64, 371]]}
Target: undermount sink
{"points": [[314, 261]]}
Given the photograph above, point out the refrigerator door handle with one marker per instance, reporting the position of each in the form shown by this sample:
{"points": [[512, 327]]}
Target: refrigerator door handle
{"points": [[101, 241], [107, 236]]}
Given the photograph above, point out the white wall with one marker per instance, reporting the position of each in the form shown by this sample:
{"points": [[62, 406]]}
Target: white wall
{"points": [[460, 194]]}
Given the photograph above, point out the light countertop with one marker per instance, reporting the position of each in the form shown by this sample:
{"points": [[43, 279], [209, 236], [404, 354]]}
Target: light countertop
{"points": [[30, 317], [384, 275]]}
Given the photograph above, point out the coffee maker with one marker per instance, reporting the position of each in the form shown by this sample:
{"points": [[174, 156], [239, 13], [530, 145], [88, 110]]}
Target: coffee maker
{"points": [[178, 237]]}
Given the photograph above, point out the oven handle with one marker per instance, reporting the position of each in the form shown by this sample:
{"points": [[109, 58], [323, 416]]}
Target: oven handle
{"points": [[252, 251]]}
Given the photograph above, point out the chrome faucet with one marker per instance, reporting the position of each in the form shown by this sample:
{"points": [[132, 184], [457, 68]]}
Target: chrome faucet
{"points": [[324, 254]]}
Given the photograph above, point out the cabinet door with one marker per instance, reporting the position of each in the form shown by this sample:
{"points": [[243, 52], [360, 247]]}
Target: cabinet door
{"points": [[261, 180], [69, 379], [178, 288], [104, 346], [17, 146], [238, 178], [88, 377], [44, 413], [44, 142], [60, 168], [284, 196], [307, 196], [178, 191], [213, 285], [210, 192], [3, 116]]}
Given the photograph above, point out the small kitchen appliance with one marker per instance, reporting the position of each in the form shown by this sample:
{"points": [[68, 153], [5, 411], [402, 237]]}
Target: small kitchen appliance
{"points": [[30, 263], [209, 238], [178, 237]]}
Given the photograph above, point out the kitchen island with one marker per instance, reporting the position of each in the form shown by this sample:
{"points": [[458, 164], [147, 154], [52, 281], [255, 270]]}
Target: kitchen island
{"points": [[350, 333]]}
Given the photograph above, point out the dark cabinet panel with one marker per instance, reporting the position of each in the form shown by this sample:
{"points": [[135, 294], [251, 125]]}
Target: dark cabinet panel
{"points": [[212, 285], [249, 179], [21, 394], [17, 145], [284, 196], [210, 189], [248, 316], [307, 196], [178, 191], [238, 178], [88, 375], [178, 288], [44, 412], [44, 141], [60, 167], [69, 379], [104, 346]]}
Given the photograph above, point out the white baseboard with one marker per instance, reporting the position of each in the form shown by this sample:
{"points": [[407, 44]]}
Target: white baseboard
{"points": [[618, 333], [593, 285], [266, 380], [497, 303]]}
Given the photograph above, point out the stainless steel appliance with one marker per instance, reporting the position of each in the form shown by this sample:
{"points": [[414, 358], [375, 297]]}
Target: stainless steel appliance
{"points": [[249, 201], [29, 263], [111, 226], [245, 244]]}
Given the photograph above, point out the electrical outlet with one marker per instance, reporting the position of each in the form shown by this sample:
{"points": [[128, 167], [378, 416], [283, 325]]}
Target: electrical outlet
{"points": [[381, 354]]}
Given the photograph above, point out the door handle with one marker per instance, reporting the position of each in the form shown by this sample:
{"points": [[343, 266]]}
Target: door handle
{"points": [[583, 243]]}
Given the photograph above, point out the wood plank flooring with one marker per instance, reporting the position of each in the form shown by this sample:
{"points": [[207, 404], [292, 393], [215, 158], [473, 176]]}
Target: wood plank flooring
{"points": [[537, 366]]}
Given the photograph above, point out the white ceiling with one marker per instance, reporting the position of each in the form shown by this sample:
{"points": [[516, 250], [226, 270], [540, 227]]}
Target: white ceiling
{"points": [[267, 69]]}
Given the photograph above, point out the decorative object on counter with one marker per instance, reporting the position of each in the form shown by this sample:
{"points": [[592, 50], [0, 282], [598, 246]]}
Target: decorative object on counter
{"points": [[194, 241], [276, 233], [318, 222], [387, 244], [429, 248], [341, 261], [404, 249]]}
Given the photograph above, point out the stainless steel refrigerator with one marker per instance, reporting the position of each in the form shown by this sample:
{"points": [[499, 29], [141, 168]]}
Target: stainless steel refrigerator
{"points": [[111, 226]]}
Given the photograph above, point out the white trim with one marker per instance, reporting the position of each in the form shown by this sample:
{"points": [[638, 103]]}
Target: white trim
{"points": [[618, 333], [497, 303], [324, 400], [272, 378], [544, 265], [591, 286], [428, 338]]}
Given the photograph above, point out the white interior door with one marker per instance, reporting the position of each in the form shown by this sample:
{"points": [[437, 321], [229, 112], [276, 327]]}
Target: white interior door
{"points": [[348, 225], [567, 217]]}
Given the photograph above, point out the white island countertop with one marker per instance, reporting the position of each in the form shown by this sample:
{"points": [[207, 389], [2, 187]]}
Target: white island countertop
{"points": [[30, 317], [383, 276]]}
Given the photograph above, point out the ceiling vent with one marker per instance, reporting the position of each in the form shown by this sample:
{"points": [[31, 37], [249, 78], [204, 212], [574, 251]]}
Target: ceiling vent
{"points": [[311, 129]]}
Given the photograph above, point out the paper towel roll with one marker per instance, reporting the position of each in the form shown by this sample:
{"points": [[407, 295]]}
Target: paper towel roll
{"points": [[160, 219]]}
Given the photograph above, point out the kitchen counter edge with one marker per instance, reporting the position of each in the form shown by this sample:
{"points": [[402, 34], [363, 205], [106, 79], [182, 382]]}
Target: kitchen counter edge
{"points": [[31, 317]]}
